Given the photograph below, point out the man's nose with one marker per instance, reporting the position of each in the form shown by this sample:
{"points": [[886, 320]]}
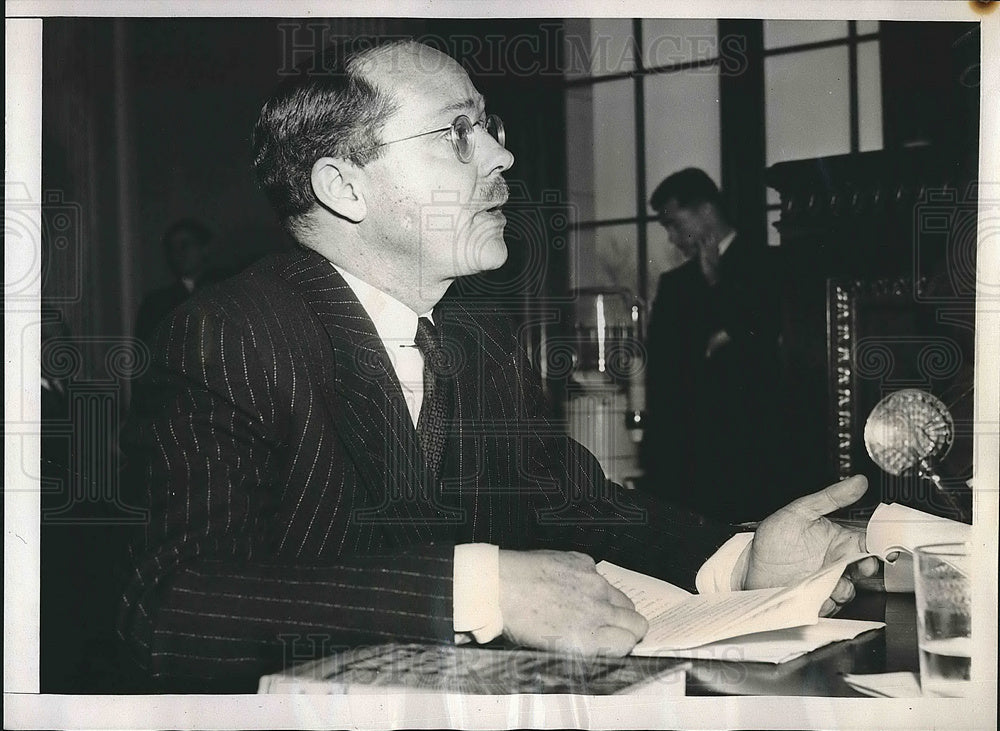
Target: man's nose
{"points": [[496, 157]]}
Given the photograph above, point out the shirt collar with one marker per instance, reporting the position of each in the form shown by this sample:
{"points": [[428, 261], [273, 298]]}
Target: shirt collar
{"points": [[394, 321], [726, 241]]}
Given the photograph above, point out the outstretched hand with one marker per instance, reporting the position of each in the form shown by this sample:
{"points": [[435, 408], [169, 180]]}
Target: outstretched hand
{"points": [[797, 540]]}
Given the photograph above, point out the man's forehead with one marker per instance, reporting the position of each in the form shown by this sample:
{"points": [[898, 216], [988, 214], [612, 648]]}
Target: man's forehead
{"points": [[425, 82]]}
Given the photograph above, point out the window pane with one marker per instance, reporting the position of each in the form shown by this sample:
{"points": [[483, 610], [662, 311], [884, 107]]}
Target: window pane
{"points": [[779, 33], [598, 47], [682, 123], [807, 106], [869, 97], [612, 46], [576, 47], [580, 150], [605, 257], [614, 149], [666, 41], [662, 256], [867, 26]]}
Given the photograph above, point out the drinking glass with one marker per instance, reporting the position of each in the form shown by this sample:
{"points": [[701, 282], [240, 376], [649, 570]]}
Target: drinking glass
{"points": [[944, 618]]}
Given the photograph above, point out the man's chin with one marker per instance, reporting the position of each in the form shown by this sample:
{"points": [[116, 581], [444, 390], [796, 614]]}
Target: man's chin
{"points": [[494, 254], [484, 249]]}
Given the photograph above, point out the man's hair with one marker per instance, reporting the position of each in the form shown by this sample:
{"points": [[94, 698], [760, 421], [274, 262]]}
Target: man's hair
{"points": [[191, 226], [325, 108], [690, 187]]}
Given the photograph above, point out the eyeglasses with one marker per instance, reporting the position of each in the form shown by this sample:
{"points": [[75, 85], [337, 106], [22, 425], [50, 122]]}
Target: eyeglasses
{"points": [[463, 135]]}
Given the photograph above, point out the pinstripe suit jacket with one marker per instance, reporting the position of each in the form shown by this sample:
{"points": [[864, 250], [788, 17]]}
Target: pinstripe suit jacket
{"points": [[290, 509]]}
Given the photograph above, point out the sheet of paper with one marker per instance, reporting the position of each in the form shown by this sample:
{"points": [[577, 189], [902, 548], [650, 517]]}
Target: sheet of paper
{"points": [[775, 647], [679, 620], [651, 596], [898, 575], [708, 617], [896, 527], [886, 685]]}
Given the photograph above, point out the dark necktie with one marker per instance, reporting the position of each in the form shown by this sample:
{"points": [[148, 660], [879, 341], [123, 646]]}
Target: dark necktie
{"points": [[437, 397]]}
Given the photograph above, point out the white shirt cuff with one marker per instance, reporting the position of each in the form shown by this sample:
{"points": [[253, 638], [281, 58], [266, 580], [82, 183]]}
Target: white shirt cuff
{"points": [[726, 568], [476, 598]]}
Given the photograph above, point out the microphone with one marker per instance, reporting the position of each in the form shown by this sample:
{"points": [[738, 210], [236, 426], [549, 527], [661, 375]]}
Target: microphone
{"points": [[912, 430]]}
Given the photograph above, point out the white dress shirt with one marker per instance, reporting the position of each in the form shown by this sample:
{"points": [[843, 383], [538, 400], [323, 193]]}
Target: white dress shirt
{"points": [[726, 241], [476, 573]]}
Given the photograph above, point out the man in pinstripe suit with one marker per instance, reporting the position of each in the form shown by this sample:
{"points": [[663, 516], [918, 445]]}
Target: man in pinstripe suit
{"points": [[293, 489]]}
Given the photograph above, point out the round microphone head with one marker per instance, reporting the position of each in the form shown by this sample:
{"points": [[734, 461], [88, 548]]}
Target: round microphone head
{"points": [[908, 426]]}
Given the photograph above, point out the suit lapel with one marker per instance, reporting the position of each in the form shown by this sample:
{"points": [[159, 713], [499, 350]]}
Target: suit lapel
{"points": [[481, 441], [479, 348], [366, 403]]}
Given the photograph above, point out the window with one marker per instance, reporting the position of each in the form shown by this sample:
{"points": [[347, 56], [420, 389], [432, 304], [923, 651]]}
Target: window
{"points": [[643, 101], [822, 93]]}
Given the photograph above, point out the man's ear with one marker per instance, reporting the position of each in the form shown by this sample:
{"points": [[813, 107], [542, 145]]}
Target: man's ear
{"points": [[339, 186]]}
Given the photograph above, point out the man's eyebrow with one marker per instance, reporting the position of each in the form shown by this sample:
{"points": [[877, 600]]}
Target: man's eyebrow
{"points": [[466, 104]]}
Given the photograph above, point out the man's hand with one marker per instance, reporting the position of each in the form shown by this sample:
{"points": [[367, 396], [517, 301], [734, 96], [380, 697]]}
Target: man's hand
{"points": [[556, 600], [708, 259], [717, 341], [797, 541]]}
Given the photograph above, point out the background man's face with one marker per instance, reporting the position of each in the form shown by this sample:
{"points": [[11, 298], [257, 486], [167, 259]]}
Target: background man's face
{"points": [[685, 226], [429, 207], [186, 254]]}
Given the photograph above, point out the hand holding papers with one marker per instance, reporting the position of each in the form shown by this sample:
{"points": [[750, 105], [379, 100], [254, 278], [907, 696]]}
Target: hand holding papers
{"points": [[797, 541], [679, 621], [682, 621]]}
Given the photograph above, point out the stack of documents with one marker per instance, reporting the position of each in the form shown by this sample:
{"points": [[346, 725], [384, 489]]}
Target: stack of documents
{"points": [[765, 625]]}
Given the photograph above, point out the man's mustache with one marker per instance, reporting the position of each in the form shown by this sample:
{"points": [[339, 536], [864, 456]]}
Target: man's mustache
{"points": [[496, 193]]}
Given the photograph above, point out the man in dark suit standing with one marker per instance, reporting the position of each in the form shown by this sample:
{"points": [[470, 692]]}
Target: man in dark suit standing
{"points": [[712, 361], [334, 451]]}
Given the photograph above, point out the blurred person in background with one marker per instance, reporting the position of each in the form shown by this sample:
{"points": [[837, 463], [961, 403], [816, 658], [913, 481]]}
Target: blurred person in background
{"points": [[186, 246], [712, 361]]}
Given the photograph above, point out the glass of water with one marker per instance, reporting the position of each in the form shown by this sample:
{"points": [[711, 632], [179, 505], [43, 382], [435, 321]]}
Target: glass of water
{"points": [[944, 618]]}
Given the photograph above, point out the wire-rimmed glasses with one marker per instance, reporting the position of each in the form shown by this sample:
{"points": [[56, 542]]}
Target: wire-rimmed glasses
{"points": [[463, 135]]}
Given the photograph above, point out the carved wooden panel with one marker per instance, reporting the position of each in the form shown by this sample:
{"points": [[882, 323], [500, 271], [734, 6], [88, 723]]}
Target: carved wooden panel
{"points": [[884, 336], [856, 232]]}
